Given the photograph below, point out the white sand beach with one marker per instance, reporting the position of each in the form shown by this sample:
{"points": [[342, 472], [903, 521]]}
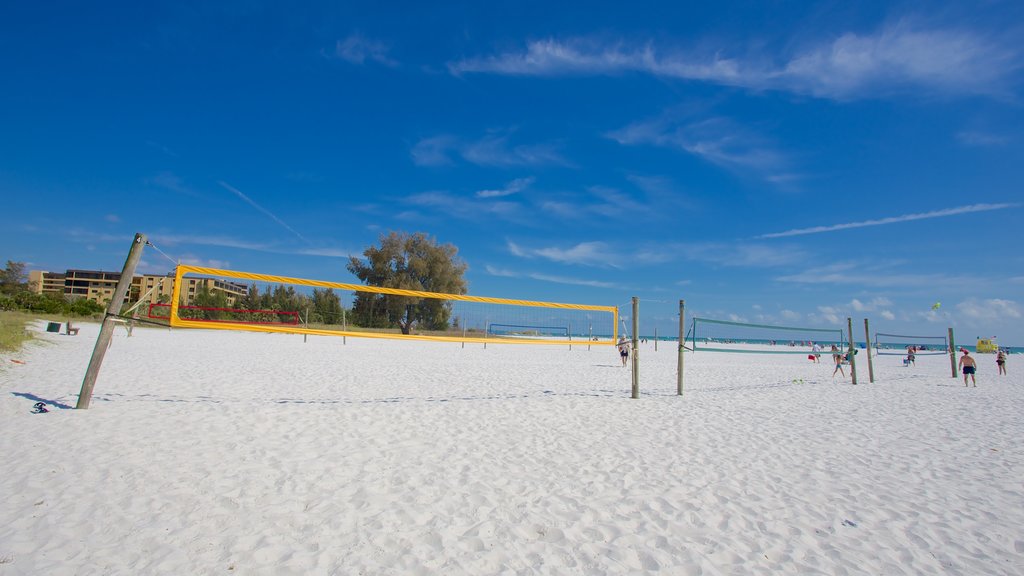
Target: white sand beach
{"points": [[210, 452]]}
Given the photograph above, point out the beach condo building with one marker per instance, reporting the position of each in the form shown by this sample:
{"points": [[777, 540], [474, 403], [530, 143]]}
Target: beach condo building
{"points": [[98, 286]]}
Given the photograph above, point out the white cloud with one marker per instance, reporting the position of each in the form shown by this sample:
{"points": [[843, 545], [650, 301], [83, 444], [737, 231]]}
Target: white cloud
{"points": [[899, 57], [357, 49], [506, 273], [886, 314], [192, 260], [879, 275], [717, 140], [893, 219], [467, 208], [496, 151], [978, 139], [513, 187], [433, 151], [992, 309], [870, 306], [740, 254], [584, 253], [491, 150], [170, 181]]}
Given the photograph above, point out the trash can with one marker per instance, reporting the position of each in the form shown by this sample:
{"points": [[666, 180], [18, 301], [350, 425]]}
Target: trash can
{"points": [[53, 327]]}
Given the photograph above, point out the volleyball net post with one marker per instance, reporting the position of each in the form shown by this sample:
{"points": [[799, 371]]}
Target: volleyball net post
{"points": [[853, 351], [636, 347], [952, 354], [682, 347], [107, 327], [867, 345]]}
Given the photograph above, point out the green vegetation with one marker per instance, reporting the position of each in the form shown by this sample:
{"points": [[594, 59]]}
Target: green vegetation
{"points": [[12, 330], [19, 305], [408, 262]]}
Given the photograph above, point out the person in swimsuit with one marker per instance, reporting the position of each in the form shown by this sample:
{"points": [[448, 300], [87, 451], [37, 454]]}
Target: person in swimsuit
{"points": [[624, 350], [838, 359], [1001, 362], [968, 366]]}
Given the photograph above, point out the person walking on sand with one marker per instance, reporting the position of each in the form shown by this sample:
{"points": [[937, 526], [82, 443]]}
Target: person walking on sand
{"points": [[838, 359], [1001, 361], [968, 366], [623, 350], [816, 350]]}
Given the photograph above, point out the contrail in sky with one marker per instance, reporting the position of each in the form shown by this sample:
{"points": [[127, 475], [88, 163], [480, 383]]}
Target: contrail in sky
{"points": [[892, 220], [262, 209]]}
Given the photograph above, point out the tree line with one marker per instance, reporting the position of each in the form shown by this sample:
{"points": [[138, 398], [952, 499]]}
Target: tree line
{"points": [[17, 294], [405, 261]]}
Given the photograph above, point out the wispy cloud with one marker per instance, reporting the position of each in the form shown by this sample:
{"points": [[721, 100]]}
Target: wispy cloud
{"points": [[506, 273], [450, 205], [173, 240], [717, 140], [900, 56], [112, 218], [173, 183], [619, 255], [979, 139], [358, 49], [266, 212], [513, 187], [877, 275], [892, 220], [434, 151], [739, 254], [583, 254], [493, 150]]}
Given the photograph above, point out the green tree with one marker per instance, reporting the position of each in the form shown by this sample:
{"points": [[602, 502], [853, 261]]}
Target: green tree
{"points": [[13, 279], [207, 299], [410, 262], [326, 306]]}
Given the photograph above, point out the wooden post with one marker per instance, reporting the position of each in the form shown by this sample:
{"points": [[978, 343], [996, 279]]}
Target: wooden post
{"points": [[952, 354], [307, 326], [636, 347], [344, 326], [590, 337], [569, 330], [682, 343], [867, 342], [463, 333], [107, 327], [853, 351], [655, 337]]}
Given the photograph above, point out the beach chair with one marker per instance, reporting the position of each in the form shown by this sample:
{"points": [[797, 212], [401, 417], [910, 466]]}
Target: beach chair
{"points": [[72, 331]]}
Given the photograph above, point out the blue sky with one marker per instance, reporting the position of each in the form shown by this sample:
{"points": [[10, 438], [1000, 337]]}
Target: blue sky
{"points": [[777, 162]]}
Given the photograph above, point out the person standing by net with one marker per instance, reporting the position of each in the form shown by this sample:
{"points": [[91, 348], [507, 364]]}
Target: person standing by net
{"points": [[1001, 361], [623, 350]]}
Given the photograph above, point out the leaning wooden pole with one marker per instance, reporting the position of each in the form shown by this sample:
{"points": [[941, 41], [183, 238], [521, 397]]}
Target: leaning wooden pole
{"points": [[867, 344], [636, 347], [682, 343], [107, 327], [952, 354], [853, 351]]}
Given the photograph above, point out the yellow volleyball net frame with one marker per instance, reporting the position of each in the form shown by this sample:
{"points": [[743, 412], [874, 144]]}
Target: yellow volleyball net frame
{"points": [[611, 322]]}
